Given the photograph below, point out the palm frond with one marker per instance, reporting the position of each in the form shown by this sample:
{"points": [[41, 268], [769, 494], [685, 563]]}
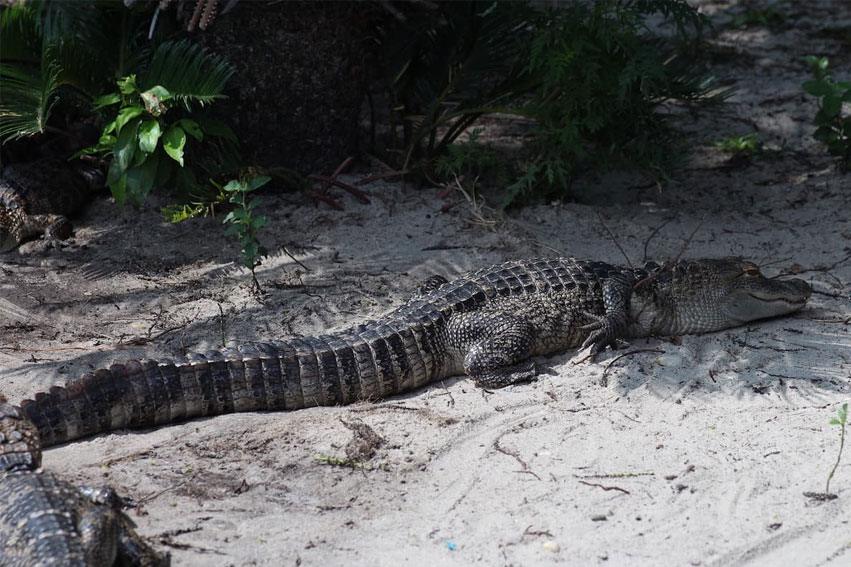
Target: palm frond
{"points": [[188, 72], [20, 39], [61, 21], [26, 100]]}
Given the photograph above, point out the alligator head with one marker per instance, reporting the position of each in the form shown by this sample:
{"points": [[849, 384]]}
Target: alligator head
{"points": [[699, 296]]}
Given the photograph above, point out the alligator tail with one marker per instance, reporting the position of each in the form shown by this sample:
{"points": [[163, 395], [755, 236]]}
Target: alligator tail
{"points": [[367, 363]]}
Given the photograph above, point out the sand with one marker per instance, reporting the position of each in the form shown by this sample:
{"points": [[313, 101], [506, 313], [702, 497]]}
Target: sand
{"points": [[695, 451]]}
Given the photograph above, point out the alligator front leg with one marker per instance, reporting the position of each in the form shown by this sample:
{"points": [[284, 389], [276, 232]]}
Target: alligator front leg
{"points": [[605, 330], [108, 535], [26, 227], [498, 348]]}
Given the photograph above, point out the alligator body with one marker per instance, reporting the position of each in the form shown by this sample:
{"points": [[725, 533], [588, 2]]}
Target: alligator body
{"points": [[47, 521], [486, 324], [36, 199]]}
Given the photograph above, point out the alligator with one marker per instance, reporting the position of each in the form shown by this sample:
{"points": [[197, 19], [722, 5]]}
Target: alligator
{"points": [[36, 199], [45, 520], [487, 324]]}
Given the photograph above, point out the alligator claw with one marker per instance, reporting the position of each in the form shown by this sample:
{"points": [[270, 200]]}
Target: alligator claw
{"points": [[500, 378], [604, 331]]}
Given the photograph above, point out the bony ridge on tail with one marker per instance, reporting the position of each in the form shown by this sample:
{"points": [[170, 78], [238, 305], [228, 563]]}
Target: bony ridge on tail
{"points": [[45, 520], [487, 324]]}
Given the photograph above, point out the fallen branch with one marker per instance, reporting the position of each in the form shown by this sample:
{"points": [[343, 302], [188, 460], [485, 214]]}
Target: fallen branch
{"points": [[606, 488], [630, 353], [357, 193]]}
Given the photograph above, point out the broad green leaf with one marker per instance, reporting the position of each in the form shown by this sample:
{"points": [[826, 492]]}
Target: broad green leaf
{"points": [[154, 99], [110, 127], [233, 186], [125, 115], [174, 141], [817, 87], [125, 146], [141, 179], [117, 182], [257, 182], [139, 157], [107, 139], [149, 134], [192, 128], [831, 105], [106, 100], [127, 85]]}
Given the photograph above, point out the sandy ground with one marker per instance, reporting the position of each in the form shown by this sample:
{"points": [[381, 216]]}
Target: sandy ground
{"points": [[697, 454]]}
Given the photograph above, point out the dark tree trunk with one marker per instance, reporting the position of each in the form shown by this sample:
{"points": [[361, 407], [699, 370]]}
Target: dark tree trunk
{"points": [[296, 98]]}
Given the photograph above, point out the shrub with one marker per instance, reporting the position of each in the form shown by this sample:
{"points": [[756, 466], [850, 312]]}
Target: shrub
{"points": [[244, 222], [833, 128], [592, 76], [149, 134]]}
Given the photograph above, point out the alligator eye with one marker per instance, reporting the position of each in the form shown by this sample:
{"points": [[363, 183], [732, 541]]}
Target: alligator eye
{"points": [[750, 269]]}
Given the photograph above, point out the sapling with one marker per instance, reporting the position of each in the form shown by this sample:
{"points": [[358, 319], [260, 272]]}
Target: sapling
{"points": [[244, 224], [841, 420]]}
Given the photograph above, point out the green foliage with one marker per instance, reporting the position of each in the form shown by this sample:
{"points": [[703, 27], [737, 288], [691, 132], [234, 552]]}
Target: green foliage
{"points": [[244, 223], [471, 159], [449, 67], [600, 77], [54, 52], [746, 145], [149, 137], [833, 128], [188, 73], [590, 74], [26, 100]]}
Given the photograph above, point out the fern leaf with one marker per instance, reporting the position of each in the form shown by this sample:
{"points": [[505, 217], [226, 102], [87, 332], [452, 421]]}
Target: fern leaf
{"points": [[188, 72], [26, 100]]}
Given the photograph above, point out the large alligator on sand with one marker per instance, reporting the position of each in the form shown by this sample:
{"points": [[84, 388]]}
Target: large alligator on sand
{"points": [[486, 324], [47, 521]]}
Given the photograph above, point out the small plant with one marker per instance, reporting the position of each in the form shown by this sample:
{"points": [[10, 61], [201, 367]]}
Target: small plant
{"points": [[841, 420], [244, 223], [746, 145], [470, 158], [833, 128], [148, 137]]}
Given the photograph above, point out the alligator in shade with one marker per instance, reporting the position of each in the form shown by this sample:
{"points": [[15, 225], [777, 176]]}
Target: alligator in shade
{"points": [[36, 199], [487, 324], [45, 520]]}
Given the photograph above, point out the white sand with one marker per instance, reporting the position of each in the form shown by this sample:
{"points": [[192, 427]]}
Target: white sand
{"points": [[697, 456]]}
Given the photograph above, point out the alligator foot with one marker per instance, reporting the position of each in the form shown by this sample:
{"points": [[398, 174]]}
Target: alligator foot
{"points": [[502, 377]]}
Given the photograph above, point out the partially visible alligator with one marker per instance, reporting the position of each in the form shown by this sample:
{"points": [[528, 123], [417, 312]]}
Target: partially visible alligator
{"points": [[47, 521], [486, 324], [37, 197]]}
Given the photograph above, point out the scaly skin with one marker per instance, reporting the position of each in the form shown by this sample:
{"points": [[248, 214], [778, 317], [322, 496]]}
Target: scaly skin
{"points": [[486, 324], [47, 521], [37, 197]]}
